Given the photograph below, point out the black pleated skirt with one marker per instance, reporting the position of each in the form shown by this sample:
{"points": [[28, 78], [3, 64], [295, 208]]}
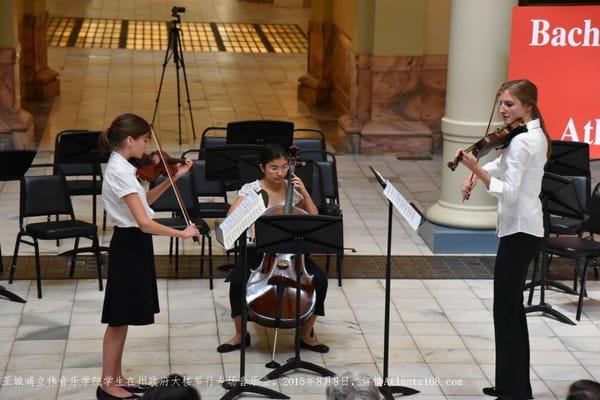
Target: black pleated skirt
{"points": [[131, 296]]}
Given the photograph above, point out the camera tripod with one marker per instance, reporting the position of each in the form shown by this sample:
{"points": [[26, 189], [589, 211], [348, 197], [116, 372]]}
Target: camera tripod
{"points": [[175, 52]]}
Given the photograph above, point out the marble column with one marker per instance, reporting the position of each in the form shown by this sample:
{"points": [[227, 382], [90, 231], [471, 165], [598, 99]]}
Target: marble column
{"points": [[16, 124], [477, 65]]}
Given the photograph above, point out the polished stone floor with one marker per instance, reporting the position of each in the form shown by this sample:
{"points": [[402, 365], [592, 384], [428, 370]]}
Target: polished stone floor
{"points": [[441, 339]]}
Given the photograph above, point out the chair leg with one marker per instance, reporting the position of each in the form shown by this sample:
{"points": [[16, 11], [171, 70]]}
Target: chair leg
{"points": [[96, 245], [339, 260], [13, 264], [176, 255], [536, 263], [327, 259], [170, 247], [74, 257], [202, 257], [38, 271], [210, 262], [1, 262], [582, 292], [57, 240], [104, 221]]}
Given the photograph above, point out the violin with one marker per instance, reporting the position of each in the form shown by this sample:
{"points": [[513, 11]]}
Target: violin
{"points": [[498, 139], [272, 287], [150, 166]]}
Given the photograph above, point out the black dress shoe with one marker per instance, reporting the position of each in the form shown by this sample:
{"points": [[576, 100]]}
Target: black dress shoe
{"points": [[226, 347], [102, 395], [136, 388], [319, 348], [499, 395], [491, 391]]}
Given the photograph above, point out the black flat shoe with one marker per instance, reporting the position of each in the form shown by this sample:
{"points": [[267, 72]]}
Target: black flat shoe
{"points": [[493, 392], [490, 391], [226, 347], [319, 348], [135, 388], [102, 395]]}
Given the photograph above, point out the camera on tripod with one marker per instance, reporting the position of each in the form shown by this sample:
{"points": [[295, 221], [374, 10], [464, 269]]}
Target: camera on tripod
{"points": [[176, 10]]}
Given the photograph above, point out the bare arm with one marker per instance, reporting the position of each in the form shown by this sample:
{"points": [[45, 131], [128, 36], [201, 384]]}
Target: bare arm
{"points": [[159, 189], [307, 203], [150, 226], [238, 200]]}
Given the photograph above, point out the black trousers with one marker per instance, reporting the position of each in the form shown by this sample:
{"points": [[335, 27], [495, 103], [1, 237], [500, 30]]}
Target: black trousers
{"points": [[253, 261], [515, 252]]}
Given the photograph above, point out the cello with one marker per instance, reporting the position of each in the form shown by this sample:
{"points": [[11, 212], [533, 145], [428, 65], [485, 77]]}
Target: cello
{"points": [[271, 288]]}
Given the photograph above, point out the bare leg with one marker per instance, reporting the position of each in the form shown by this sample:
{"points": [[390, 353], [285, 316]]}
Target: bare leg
{"points": [[112, 352], [306, 331], [121, 380], [237, 338]]}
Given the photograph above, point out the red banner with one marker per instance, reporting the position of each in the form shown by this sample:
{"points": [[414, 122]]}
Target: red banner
{"points": [[558, 48]]}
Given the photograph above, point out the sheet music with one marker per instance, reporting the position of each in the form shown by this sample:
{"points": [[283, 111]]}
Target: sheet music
{"points": [[402, 205], [239, 220]]}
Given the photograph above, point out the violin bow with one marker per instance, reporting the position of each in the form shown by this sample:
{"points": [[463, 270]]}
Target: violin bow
{"points": [[487, 129], [178, 196]]}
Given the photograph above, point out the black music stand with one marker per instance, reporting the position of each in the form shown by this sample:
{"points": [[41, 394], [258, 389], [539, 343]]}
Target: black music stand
{"points": [[13, 166], [386, 390], [236, 388], [298, 234], [223, 163], [260, 132], [559, 192]]}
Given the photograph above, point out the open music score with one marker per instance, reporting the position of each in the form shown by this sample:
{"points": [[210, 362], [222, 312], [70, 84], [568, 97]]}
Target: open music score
{"points": [[240, 219], [400, 203]]}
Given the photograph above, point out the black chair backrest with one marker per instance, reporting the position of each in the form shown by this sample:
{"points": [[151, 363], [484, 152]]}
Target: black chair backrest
{"points": [[14, 164], [202, 186], [569, 159], [582, 188], [311, 148], [329, 182], [260, 132], [77, 152], [593, 223], [168, 202], [212, 141], [44, 195], [562, 197]]}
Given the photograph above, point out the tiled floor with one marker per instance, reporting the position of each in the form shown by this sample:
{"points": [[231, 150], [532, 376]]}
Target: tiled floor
{"points": [[441, 339]]}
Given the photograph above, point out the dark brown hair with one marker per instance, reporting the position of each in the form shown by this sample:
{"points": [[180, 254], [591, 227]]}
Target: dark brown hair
{"points": [[123, 126], [527, 93]]}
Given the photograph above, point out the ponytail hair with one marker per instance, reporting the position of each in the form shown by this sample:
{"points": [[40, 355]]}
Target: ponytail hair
{"points": [[123, 126], [527, 93]]}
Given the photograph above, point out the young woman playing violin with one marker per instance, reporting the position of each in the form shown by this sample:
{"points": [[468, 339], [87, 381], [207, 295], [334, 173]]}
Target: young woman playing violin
{"points": [[515, 178], [273, 162], [131, 296]]}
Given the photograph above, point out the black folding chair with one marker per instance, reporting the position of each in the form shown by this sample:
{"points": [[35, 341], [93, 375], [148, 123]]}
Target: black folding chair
{"points": [[47, 195], [77, 154]]}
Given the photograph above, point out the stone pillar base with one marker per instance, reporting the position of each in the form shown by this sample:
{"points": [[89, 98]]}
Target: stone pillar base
{"points": [[47, 85], [16, 130], [313, 91], [404, 139]]}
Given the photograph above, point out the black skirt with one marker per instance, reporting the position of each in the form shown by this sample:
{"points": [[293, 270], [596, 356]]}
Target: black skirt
{"points": [[131, 296]]}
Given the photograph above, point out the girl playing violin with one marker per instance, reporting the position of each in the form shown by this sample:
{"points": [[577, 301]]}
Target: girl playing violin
{"points": [[515, 178], [131, 296], [273, 162]]}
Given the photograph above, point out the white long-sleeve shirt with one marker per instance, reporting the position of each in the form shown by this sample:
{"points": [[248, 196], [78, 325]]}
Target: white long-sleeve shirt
{"points": [[517, 181]]}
